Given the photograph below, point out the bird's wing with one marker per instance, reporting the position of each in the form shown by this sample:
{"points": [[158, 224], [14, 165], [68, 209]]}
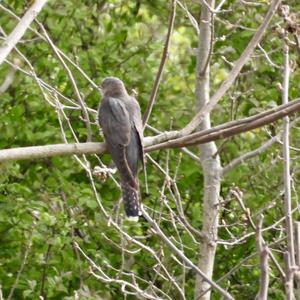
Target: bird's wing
{"points": [[140, 145], [133, 151], [114, 120], [138, 126]]}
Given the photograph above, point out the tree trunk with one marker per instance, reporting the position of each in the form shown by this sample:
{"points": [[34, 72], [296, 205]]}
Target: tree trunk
{"points": [[209, 161]]}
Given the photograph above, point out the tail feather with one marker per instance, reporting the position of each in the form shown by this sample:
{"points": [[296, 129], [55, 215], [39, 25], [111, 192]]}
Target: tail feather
{"points": [[131, 200], [129, 183]]}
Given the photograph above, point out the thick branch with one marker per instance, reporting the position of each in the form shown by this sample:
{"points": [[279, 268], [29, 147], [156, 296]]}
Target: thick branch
{"points": [[209, 162], [241, 159], [286, 161], [216, 133], [230, 128], [36, 152], [289, 292], [8, 79]]}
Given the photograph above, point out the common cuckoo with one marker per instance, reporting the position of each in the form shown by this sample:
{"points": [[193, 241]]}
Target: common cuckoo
{"points": [[120, 118]]}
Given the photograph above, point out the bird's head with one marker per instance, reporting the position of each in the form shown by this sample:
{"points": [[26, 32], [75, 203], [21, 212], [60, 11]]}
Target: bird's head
{"points": [[112, 86]]}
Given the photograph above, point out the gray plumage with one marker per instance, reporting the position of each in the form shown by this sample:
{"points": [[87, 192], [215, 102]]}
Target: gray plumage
{"points": [[120, 118]]}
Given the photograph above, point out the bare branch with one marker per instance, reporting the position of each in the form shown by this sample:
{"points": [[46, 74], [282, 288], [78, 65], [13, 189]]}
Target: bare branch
{"points": [[105, 278], [237, 194], [297, 258], [20, 29], [249, 154], [180, 254], [162, 65], [287, 178], [74, 85], [289, 277], [8, 79], [225, 130], [238, 266], [210, 162], [190, 16], [234, 72], [263, 252], [93, 84], [183, 149], [235, 162], [36, 152]]}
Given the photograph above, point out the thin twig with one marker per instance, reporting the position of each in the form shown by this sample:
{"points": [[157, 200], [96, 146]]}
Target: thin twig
{"points": [[241, 159], [93, 84], [72, 80], [106, 279], [23, 261], [190, 16], [162, 64], [43, 275], [237, 194], [180, 254]]}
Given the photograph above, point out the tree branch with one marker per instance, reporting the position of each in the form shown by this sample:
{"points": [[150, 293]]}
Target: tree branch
{"points": [[36, 152], [180, 254], [228, 129], [263, 252], [162, 64], [73, 83], [216, 133], [8, 79], [290, 259], [93, 84], [275, 139], [20, 29], [234, 72]]}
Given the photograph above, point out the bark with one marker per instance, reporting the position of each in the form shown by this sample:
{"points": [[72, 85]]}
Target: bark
{"points": [[290, 260], [263, 252], [209, 162]]}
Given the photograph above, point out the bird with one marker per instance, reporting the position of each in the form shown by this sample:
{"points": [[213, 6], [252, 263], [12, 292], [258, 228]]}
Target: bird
{"points": [[119, 116]]}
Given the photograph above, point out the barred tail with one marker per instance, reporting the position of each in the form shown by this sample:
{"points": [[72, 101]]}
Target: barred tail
{"points": [[131, 201], [129, 182]]}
